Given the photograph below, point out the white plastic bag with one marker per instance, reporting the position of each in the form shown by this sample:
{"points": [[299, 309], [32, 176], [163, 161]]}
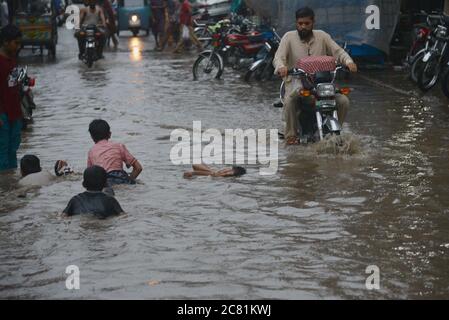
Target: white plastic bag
{"points": [[295, 87], [185, 33]]}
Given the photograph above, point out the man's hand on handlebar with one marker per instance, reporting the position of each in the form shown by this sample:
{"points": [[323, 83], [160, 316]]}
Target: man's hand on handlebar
{"points": [[352, 67], [283, 72]]}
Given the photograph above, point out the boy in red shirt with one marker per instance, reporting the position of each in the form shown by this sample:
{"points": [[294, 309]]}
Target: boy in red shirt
{"points": [[10, 110], [185, 20]]}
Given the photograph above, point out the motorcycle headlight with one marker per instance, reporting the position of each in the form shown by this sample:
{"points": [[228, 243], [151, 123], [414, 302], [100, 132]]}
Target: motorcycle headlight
{"points": [[442, 32], [325, 90]]}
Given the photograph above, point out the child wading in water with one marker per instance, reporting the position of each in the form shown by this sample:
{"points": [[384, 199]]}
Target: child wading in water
{"points": [[111, 156], [94, 201]]}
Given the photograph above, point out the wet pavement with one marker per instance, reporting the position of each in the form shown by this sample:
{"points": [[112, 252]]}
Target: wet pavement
{"points": [[308, 232]]}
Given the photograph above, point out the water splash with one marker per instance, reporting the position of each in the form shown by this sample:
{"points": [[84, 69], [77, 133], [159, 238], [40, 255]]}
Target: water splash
{"points": [[346, 144]]}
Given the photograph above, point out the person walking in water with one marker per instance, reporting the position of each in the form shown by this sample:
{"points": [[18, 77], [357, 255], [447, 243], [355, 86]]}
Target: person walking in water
{"points": [[158, 11], [172, 25], [185, 19], [110, 21]]}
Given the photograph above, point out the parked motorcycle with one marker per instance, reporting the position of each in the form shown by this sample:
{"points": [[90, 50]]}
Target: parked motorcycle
{"points": [[233, 50], [421, 34], [92, 36], [241, 50], [262, 68], [204, 31], [235, 25], [210, 64], [435, 57], [26, 95], [316, 89], [424, 40]]}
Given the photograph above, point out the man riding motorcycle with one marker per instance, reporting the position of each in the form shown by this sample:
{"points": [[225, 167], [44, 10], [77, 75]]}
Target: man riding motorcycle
{"points": [[92, 15], [299, 44]]}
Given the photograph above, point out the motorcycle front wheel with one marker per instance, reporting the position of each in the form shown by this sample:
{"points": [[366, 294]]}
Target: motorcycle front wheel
{"points": [[207, 67], [90, 57], [428, 78], [417, 65], [282, 92]]}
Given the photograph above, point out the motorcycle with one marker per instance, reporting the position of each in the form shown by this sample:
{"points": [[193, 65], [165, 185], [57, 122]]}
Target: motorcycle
{"points": [[316, 89], [435, 57], [425, 36], [26, 95], [262, 68], [241, 49], [91, 36], [210, 62], [204, 31], [235, 50], [235, 24]]}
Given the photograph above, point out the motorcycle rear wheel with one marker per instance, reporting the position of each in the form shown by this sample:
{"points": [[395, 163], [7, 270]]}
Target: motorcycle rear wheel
{"points": [[213, 68], [430, 74]]}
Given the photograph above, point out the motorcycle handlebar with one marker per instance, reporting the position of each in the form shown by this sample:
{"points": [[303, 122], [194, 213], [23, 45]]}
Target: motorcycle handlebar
{"points": [[298, 71]]}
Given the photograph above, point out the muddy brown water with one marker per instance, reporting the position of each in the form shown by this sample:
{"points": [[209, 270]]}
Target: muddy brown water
{"points": [[310, 231]]}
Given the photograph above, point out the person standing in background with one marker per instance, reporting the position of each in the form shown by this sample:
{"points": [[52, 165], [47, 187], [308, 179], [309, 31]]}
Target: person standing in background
{"points": [[158, 12], [172, 25], [4, 13], [110, 21], [185, 19]]}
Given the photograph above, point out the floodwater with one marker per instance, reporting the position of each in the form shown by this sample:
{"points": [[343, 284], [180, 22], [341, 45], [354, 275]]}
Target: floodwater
{"points": [[310, 231]]}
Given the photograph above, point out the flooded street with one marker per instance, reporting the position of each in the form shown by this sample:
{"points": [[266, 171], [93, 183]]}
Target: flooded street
{"points": [[308, 232]]}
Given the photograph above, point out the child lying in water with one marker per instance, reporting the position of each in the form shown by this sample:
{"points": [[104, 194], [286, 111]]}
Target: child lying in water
{"points": [[206, 171]]}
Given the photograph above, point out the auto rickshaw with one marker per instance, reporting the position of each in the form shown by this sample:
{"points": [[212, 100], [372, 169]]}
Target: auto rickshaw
{"points": [[134, 15], [37, 22]]}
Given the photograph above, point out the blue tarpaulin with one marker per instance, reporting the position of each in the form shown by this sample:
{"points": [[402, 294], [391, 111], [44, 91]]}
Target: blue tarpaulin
{"points": [[345, 20]]}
